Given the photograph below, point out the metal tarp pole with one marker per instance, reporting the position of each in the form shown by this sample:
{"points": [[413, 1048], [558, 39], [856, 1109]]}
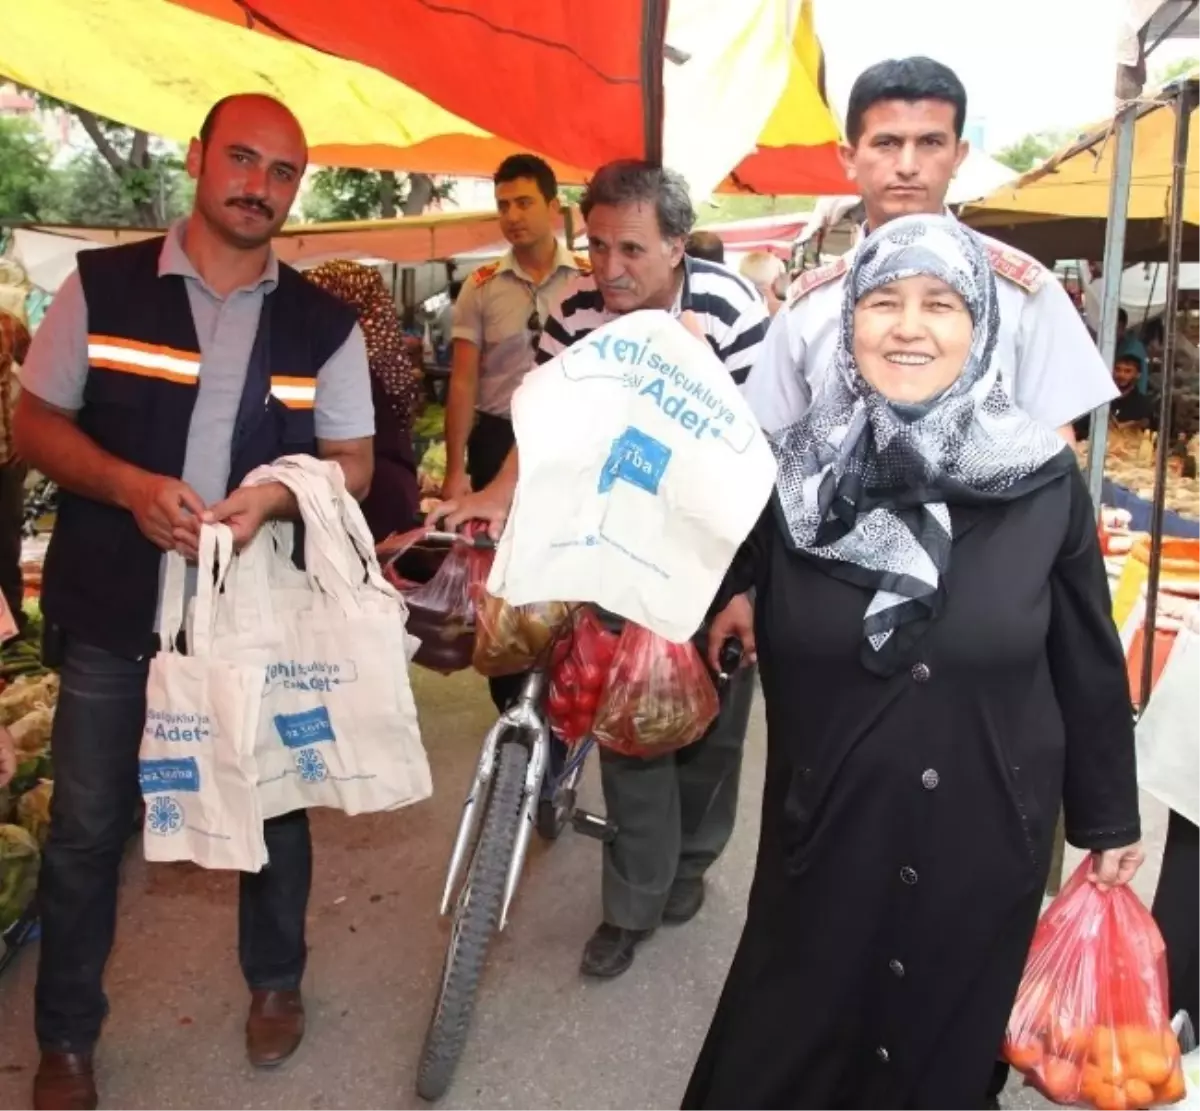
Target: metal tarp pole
{"points": [[1183, 111], [1110, 297]]}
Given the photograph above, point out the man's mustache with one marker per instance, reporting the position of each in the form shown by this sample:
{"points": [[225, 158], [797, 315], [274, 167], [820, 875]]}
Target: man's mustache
{"points": [[253, 203]]}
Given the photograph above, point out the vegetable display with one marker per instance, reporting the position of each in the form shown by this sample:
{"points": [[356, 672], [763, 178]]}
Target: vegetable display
{"points": [[431, 471], [27, 706], [19, 860], [1129, 462], [33, 810]]}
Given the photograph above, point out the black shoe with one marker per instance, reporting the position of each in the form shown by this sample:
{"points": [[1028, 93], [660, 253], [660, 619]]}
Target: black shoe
{"points": [[684, 901], [996, 1085], [609, 951]]}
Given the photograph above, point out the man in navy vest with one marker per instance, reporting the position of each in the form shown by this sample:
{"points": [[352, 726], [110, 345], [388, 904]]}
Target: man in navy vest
{"points": [[163, 373]]}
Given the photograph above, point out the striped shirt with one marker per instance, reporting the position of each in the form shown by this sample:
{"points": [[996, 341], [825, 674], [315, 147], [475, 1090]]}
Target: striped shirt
{"points": [[731, 313]]}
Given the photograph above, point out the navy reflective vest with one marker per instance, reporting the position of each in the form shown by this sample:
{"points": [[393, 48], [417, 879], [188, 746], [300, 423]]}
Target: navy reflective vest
{"points": [[100, 582]]}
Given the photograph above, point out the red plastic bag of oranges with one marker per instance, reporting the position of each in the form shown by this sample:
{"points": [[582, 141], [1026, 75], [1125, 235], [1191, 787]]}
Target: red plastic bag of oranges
{"points": [[1090, 1025]]}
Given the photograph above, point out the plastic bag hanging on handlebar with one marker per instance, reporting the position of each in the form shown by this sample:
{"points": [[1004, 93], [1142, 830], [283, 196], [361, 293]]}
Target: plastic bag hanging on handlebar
{"points": [[441, 612], [407, 562], [579, 674], [512, 639], [658, 697], [1090, 1024]]}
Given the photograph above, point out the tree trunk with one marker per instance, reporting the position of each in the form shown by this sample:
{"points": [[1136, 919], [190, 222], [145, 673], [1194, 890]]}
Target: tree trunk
{"points": [[420, 193], [387, 194], [145, 212]]}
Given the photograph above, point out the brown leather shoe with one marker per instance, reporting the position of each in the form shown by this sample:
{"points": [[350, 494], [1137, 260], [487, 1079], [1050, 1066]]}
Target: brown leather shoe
{"points": [[275, 1027], [64, 1082]]}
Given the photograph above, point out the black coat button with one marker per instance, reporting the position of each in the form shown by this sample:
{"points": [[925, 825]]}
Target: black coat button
{"points": [[908, 875], [883, 1054], [921, 673], [897, 969], [930, 779]]}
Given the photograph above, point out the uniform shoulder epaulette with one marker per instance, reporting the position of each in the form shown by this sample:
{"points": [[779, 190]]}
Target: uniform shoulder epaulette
{"points": [[814, 279], [485, 273], [583, 261], [1018, 267]]}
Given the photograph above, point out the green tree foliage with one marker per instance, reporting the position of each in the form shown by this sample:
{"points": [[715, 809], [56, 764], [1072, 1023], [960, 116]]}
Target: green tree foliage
{"points": [[24, 170], [87, 191], [345, 193], [1025, 153], [1033, 149], [147, 187], [1172, 70]]}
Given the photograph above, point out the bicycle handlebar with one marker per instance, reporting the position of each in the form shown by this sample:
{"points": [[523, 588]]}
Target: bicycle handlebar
{"points": [[480, 541]]}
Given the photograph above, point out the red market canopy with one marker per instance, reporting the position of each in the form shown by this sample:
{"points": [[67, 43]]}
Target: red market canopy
{"points": [[409, 85]]}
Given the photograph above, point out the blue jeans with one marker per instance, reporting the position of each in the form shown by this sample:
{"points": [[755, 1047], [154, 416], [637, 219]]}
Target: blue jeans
{"points": [[97, 732]]}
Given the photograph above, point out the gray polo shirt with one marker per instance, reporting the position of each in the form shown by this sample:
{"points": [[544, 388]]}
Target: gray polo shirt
{"points": [[57, 366]]}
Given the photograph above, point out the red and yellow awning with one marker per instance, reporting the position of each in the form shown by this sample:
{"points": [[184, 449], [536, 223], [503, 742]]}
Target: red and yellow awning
{"points": [[412, 86]]}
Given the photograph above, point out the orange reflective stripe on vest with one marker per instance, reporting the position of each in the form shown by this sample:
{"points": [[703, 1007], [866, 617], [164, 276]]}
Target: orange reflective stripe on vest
{"points": [[295, 393], [146, 360]]}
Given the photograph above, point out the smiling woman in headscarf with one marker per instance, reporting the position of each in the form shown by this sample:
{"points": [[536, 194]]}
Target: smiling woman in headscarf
{"points": [[941, 677], [394, 500]]}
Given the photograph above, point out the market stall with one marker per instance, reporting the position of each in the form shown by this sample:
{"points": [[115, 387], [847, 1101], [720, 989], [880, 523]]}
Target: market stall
{"points": [[28, 694], [47, 252]]}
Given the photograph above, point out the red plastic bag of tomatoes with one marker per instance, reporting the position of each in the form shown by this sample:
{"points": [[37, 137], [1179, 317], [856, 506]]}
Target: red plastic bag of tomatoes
{"points": [[658, 696], [577, 681], [1090, 1025]]}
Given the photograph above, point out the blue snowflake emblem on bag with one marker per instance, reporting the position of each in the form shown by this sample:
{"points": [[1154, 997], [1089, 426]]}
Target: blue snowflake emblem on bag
{"points": [[310, 765], [164, 815]]}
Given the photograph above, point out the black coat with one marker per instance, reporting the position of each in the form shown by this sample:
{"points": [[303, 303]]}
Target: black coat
{"points": [[908, 822]]}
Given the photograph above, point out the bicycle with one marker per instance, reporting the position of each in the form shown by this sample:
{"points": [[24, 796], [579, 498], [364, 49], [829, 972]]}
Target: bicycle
{"points": [[509, 797]]}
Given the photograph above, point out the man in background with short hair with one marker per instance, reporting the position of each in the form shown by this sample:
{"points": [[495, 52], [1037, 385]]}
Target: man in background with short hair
{"points": [[706, 245], [904, 125], [498, 319], [765, 272]]}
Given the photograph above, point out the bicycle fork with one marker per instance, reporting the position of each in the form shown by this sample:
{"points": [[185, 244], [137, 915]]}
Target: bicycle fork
{"points": [[522, 717]]}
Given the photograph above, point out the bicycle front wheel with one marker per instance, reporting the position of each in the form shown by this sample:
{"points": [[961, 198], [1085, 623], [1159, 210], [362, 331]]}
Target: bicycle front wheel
{"points": [[476, 916]]}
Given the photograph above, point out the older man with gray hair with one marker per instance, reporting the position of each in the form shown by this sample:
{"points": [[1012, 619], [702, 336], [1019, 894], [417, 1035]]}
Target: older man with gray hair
{"points": [[674, 814], [764, 271]]}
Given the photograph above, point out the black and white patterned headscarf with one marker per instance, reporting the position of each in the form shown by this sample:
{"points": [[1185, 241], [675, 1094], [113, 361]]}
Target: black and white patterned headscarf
{"points": [[866, 484]]}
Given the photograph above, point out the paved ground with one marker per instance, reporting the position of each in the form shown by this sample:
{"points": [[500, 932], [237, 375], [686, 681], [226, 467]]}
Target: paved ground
{"points": [[542, 1037]]}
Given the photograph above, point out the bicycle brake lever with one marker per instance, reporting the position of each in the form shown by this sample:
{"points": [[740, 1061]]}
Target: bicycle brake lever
{"points": [[730, 658], [481, 541]]}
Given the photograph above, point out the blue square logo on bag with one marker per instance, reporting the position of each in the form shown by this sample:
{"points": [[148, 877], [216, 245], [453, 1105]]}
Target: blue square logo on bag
{"points": [[635, 458], [305, 728], [156, 776]]}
